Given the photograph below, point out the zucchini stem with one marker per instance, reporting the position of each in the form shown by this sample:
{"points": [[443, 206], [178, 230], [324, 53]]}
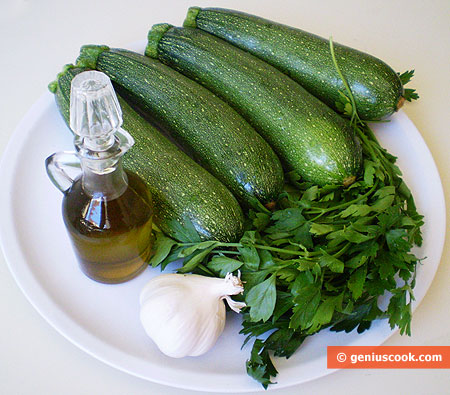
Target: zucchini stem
{"points": [[155, 35], [400, 103], [89, 55], [191, 17]]}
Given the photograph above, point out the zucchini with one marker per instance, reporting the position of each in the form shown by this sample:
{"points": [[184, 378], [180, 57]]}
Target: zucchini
{"points": [[214, 134], [306, 58], [190, 204], [308, 136]]}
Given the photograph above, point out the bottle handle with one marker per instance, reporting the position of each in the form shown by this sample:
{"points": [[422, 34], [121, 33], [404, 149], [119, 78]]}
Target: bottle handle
{"points": [[59, 166]]}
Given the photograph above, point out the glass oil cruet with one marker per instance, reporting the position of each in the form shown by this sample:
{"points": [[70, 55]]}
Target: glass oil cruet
{"points": [[107, 210]]}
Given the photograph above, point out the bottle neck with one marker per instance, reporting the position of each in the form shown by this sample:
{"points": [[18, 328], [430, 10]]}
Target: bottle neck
{"points": [[109, 184]]}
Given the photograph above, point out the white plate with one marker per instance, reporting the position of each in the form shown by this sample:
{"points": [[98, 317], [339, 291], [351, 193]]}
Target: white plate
{"points": [[103, 320]]}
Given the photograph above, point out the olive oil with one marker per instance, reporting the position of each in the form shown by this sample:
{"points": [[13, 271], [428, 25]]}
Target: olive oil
{"points": [[107, 210], [112, 238]]}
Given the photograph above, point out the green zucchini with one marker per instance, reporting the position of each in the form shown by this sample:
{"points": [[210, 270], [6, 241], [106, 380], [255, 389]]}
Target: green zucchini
{"points": [[216, 135], [190, 204], [307, 135], [306, 58]]}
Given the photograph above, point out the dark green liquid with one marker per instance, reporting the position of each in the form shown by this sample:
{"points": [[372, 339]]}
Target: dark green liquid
{"points": [[112, 238]]}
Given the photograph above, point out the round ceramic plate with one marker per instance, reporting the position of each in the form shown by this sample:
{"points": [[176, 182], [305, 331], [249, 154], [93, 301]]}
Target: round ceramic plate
{"points": [[104, 321]]}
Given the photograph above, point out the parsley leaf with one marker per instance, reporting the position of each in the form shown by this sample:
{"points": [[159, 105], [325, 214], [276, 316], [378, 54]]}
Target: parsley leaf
{"points": [[224, 265], [356, 282], [356, 319], [261, 300], [399, 310], [406, 76], [195, 259], [162, 247], [333, 263], [324, 313], [306, 303], [410, 94], [260, 366], [284, 342]]}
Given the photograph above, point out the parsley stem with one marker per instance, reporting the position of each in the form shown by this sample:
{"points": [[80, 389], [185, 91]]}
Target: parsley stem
{"points": [[373, 146], [217, 245], [286, 251], [259, 246], [205, 269], [318, 216], [367, 144], [370, 134], [342, 250], [227, 252], [344, 81]]}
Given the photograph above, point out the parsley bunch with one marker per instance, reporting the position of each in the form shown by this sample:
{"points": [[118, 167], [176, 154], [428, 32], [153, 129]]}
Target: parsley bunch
{"points": [[322, 259]]}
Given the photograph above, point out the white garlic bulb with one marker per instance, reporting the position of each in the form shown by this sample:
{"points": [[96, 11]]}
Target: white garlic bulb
{"points": [[184, 314]]}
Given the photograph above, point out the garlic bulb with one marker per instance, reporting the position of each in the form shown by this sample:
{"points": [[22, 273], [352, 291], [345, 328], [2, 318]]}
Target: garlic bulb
{"points": [[184, 314]]}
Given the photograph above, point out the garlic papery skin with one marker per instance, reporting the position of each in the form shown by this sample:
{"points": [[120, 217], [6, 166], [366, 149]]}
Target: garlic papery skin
{"points": [[184, 314]]}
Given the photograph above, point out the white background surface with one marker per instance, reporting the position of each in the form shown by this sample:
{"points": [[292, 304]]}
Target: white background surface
{"points": [[38, 37]]}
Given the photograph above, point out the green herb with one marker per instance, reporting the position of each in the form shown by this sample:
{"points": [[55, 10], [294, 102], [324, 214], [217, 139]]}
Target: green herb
{"points": [[259, 366], [406, 76], [408, 94], [322, 259]]}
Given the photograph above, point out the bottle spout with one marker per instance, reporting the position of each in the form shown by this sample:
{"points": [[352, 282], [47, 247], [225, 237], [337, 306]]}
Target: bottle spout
{"points": [[126, 140]]}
